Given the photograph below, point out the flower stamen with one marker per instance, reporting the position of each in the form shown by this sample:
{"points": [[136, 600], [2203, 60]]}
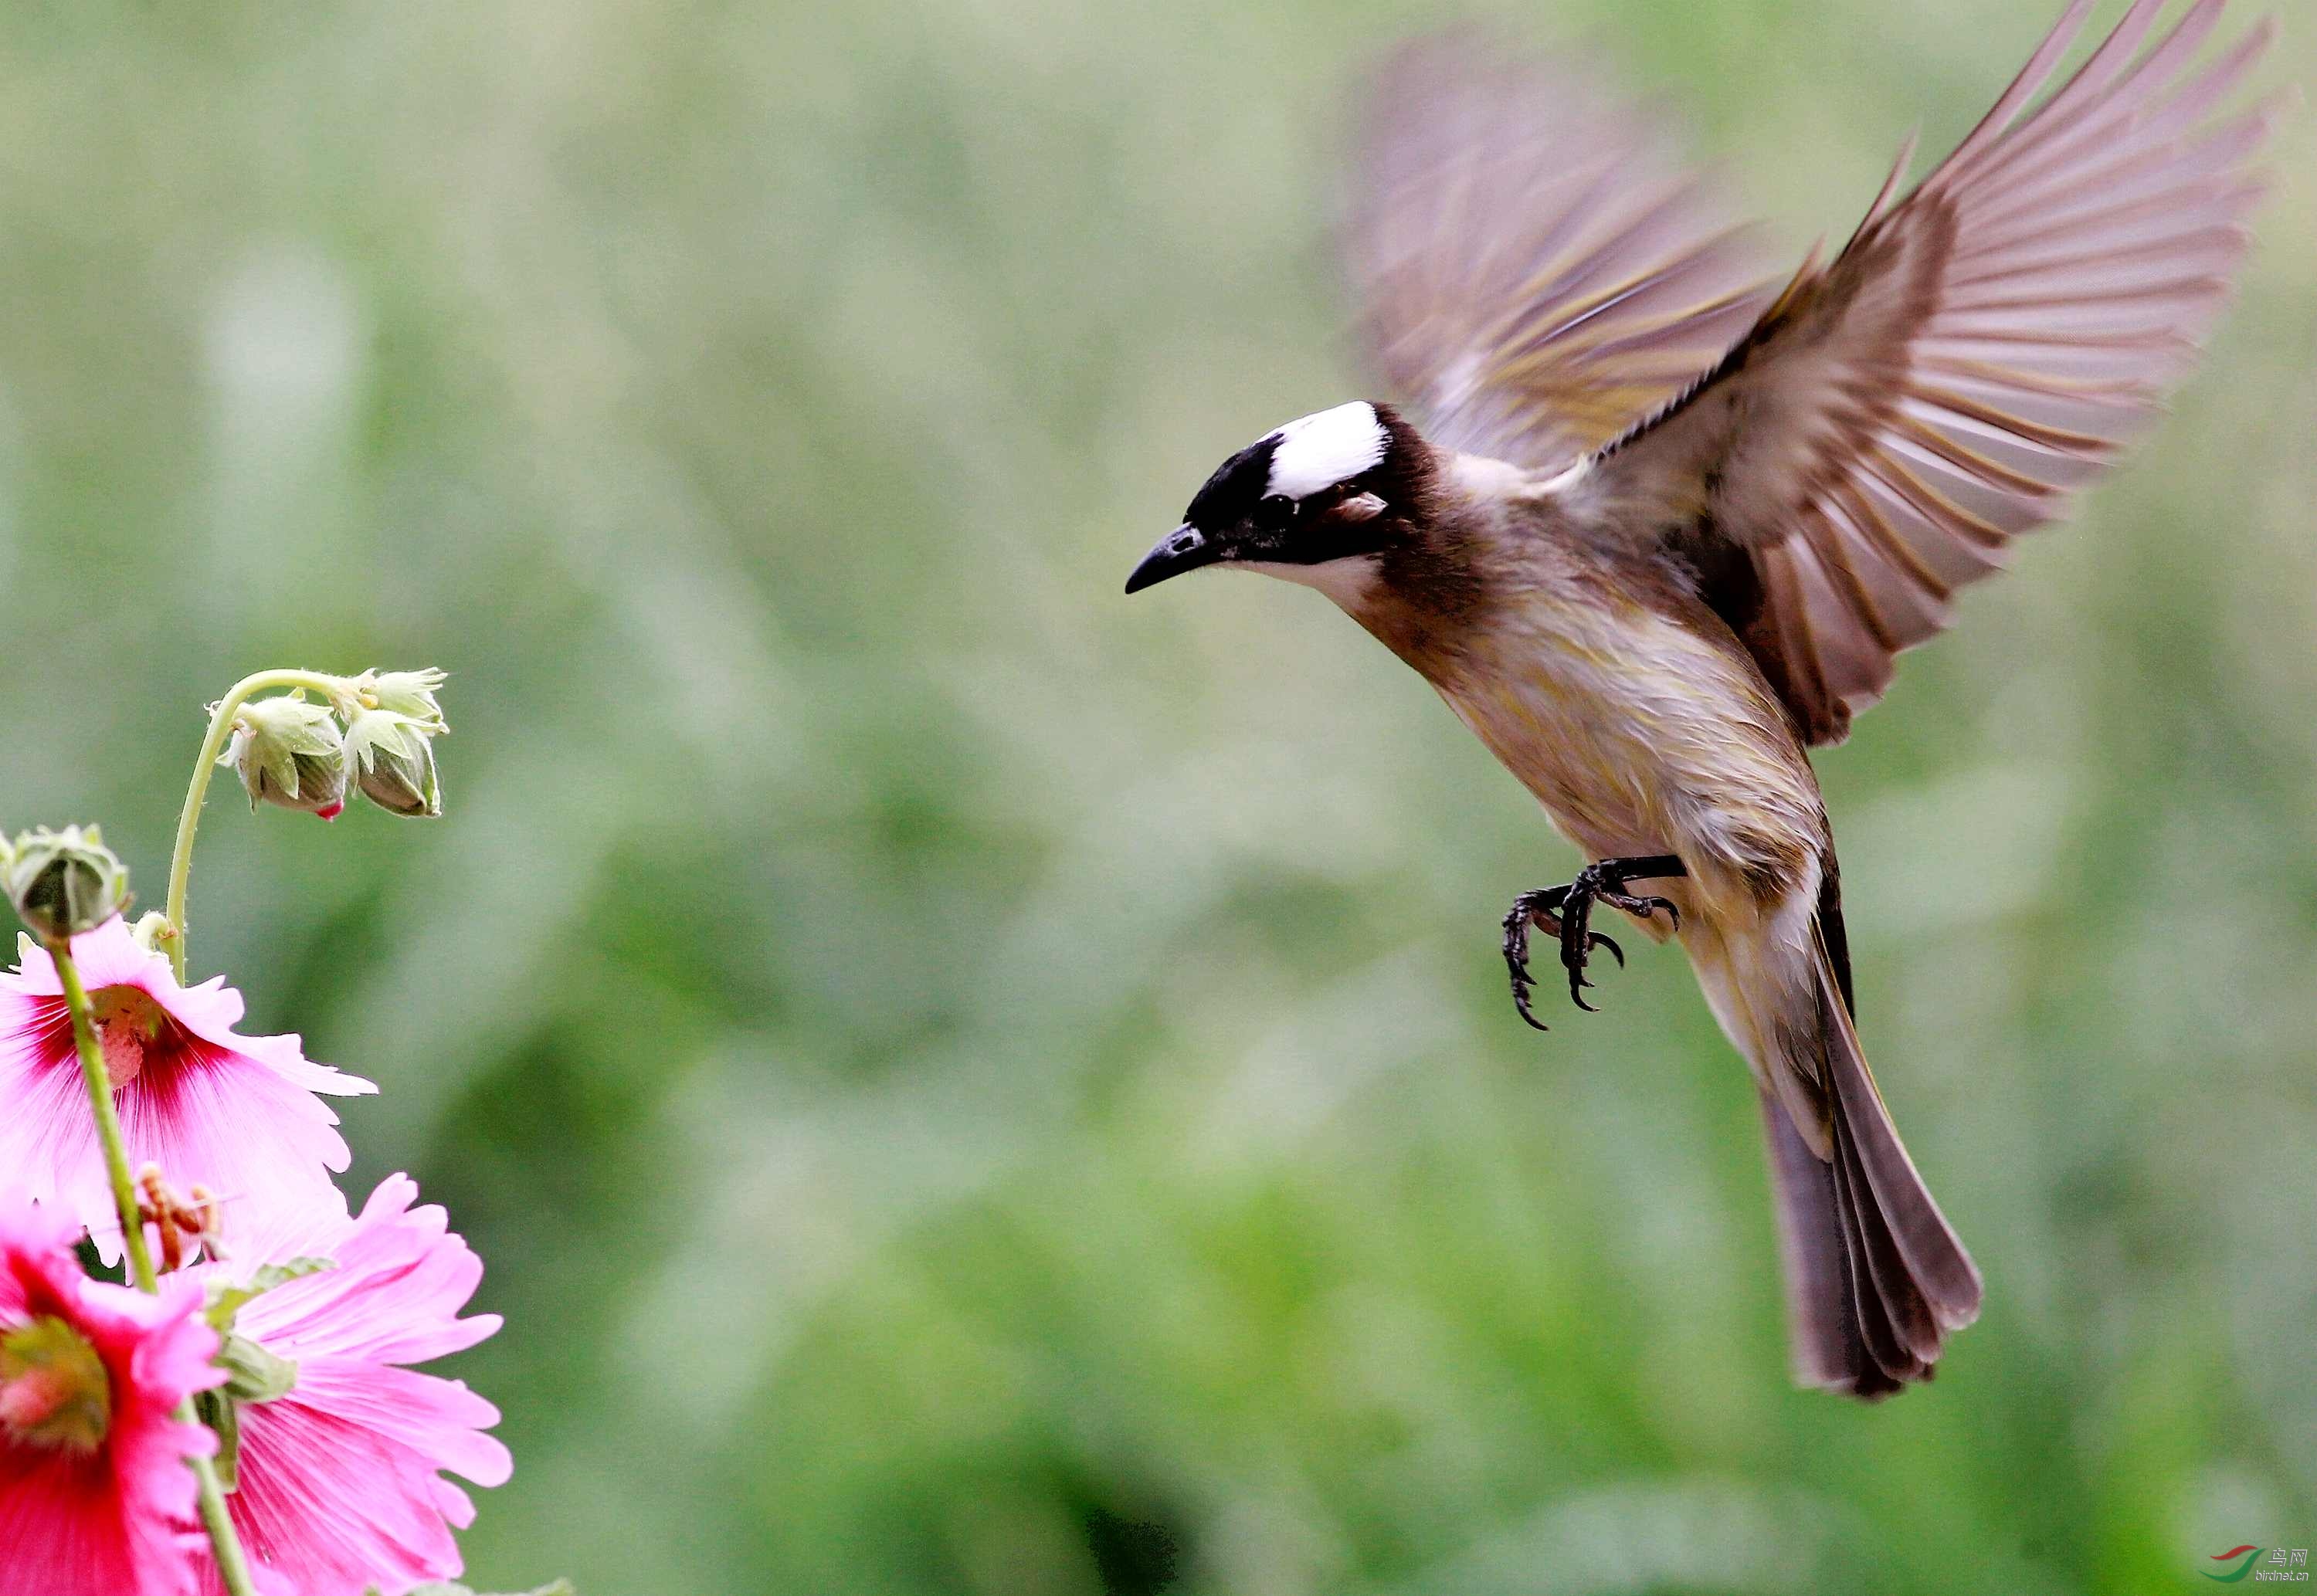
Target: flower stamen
{"points": [[127, 1022]]}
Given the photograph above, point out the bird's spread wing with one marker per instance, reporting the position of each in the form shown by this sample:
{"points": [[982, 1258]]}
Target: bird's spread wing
{"points": [[1537, 273], [1977, 351]]}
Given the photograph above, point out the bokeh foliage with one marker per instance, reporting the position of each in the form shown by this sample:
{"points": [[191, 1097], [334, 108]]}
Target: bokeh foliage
{"points": [[967, 1084]]}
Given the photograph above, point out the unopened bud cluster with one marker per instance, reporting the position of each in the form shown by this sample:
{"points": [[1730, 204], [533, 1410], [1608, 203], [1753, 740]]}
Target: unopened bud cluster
{"points": [[65, 882], [376, 735]]}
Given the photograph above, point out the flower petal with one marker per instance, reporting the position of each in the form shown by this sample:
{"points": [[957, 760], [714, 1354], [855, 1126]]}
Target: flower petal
{"points": [[236, 1113], [341, 1480], [113, 1522]]}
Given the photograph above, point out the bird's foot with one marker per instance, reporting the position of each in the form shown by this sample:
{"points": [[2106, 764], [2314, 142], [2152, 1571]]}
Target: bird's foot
{"points": [[1565, 913], [1541, 909]]}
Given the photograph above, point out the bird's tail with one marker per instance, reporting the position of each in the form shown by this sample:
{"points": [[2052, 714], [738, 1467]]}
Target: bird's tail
{"points": [[1875, 1278]]}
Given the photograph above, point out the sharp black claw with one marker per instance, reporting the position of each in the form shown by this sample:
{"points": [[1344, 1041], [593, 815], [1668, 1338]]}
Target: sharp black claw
{"points": [[1516, 951], [1564, 911]]}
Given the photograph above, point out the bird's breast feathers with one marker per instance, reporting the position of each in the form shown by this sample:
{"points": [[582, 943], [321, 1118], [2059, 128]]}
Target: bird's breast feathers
{"points": [[1639, 731]]}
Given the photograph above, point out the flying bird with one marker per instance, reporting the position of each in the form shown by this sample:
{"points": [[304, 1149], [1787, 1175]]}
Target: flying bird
{"points": [[1666, 523]]}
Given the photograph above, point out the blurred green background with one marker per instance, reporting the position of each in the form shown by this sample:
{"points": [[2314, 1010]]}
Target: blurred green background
{"points": [[958, 1076]]}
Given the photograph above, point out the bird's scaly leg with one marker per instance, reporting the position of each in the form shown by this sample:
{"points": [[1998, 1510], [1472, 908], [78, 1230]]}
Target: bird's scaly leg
{"points": [[1565, 912]]}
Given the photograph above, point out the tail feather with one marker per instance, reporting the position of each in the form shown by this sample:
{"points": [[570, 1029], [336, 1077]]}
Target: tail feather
{"points": [[1933, 1258], [1875, 1278], [1899, 1327], [1821, 1294], [1871, 1314]]}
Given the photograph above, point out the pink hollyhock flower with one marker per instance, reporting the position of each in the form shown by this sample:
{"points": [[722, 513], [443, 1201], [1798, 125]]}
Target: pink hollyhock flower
{"points": [[235, 1113], [340, 1481], [95, 1499]]}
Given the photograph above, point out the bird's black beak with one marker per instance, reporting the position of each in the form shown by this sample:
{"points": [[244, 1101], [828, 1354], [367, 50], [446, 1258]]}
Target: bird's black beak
{"points": [[1185, 549]]}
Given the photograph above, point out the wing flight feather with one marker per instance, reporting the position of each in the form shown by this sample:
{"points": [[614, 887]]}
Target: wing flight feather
{"points": [[1977, 350]]}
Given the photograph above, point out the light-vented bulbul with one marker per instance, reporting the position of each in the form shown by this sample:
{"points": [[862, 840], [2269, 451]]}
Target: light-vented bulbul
{"points": [[1667, 523]]}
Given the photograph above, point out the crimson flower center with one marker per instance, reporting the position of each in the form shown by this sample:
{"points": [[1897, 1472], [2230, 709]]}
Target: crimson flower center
{"points": [[127, 1022]]}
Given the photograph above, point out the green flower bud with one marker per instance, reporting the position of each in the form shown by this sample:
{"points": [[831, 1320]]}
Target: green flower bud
{"points": [[393, 760], [64, 883], [404, 692], [54, 1391], [290, 753]]}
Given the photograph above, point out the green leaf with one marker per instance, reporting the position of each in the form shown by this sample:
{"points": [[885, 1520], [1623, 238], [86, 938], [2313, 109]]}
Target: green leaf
{"points": [[558, 1588], [226, 1301], [256, 1374], [253, 1375], [222, 1415]]}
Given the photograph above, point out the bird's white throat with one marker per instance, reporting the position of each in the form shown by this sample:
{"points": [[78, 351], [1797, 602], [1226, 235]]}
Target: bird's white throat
{"points": [[1348, 581]]}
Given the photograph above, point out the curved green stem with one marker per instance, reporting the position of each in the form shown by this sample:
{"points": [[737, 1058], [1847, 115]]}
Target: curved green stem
{"points": [[181, 862], [225, 1542], [108, 1123]]}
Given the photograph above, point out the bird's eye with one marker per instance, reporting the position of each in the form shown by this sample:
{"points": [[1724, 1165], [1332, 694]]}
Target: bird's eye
{"points": [[1274, 511]]}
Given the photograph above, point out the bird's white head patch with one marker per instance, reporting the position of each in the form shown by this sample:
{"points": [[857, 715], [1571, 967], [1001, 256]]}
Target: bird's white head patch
{"points": [[1318, 451]]}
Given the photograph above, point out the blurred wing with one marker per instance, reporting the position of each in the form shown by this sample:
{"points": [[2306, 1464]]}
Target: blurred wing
{"points": [[1976, 351], [1536, 271]]}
